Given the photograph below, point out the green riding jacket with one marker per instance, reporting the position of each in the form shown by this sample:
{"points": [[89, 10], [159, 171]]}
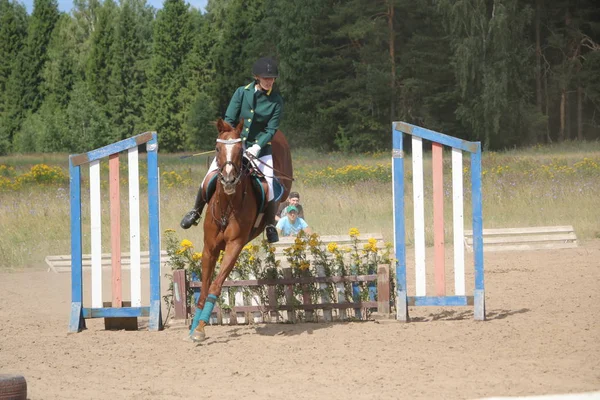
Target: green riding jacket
{"points": [[261, 112]]}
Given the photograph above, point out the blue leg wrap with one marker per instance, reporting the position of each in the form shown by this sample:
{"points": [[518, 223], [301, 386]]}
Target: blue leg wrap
{"points": [[196, 319], [208, 307]]}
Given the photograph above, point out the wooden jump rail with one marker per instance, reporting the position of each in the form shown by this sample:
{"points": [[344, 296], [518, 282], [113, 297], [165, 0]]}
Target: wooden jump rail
{"points": [[62, 263], [531, 238], [182, 308]]}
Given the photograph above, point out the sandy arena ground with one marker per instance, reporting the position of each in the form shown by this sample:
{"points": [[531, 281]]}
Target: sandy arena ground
{"points": [[542, 336]]}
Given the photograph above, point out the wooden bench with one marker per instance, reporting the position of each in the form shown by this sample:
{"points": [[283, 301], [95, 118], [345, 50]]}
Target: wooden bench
{"points": [[531, 238], [63, 263], [343, 241]]}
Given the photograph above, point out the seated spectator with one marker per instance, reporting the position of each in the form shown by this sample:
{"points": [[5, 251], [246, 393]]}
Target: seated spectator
{"points": [[292, 224], [293, 200]]}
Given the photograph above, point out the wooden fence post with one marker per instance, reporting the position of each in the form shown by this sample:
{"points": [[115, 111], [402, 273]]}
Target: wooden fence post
{"points": [[325, 298], [306, 299], [272, 303], [289, 295], [180, 289], [383, 289]]}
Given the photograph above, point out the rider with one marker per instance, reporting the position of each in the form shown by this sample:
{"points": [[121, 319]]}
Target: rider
{"points": [[260, 107]]}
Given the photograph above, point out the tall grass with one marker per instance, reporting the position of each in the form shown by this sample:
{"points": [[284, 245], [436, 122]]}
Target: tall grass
{"points": [[542, 185]]}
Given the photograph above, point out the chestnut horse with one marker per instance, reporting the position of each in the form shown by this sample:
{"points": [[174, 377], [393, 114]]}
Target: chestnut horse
{"points": [[231, 214]]}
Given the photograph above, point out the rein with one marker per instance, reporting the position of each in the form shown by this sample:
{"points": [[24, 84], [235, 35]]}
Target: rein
{"points": [[283, 175]]}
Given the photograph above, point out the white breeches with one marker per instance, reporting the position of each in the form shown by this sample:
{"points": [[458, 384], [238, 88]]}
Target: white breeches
{"points": [[267, 170]]}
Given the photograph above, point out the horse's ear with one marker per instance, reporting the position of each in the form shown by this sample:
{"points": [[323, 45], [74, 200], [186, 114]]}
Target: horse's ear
{"points": [[221, 125], [240, 126]]}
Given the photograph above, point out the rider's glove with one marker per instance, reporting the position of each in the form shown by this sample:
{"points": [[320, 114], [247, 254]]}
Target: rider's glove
{"points": [[253, 150]]}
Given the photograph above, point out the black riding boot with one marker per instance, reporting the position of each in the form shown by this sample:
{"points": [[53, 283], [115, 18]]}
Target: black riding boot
{"points": [[270, 229], [193, 217]]}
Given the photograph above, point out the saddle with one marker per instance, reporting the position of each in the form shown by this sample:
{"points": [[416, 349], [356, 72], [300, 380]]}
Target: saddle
{"points": [[259, 185]]}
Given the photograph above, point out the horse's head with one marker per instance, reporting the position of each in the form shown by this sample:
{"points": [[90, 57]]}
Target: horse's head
{"points": [[229, 152]]}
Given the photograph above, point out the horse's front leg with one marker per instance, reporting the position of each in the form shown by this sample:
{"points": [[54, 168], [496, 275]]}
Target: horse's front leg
{"points": [[232, 252], [209, 260]]}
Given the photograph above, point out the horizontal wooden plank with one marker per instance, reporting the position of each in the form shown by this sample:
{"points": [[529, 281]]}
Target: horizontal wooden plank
{"points": [[533, 246], [524, 230], [62, 263], [363, 237], [440, 300], [103, 255], [104, 262], [321, 306], [108, 312], [294, 281], [568, 237]]}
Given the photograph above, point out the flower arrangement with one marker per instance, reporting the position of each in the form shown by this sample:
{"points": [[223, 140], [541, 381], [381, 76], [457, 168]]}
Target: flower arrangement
{"points": [[308, 256]]}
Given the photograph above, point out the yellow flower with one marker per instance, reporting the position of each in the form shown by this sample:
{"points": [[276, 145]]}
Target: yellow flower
{"points": [[370, 247], [354, 232], [197, 256], [186, 244], [272, 249], [304, 265], [332, 247]]}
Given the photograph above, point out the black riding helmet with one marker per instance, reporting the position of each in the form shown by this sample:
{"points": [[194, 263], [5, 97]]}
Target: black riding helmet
{"points": [[265, 67]]}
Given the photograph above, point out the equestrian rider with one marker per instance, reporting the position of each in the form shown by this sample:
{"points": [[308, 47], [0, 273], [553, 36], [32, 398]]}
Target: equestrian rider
{"points": [[260, 107]]}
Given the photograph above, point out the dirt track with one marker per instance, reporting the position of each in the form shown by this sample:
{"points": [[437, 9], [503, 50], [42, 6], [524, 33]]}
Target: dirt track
{"points": [[542, 336]]}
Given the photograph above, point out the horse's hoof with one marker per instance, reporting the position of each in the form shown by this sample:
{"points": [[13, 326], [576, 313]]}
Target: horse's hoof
{"points": [[198, 337]]}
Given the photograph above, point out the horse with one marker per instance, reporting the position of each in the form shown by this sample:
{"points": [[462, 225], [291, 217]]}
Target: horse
{"points": [[232, 212]]}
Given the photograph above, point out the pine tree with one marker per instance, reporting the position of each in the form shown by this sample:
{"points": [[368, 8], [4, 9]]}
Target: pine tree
{"points": [[201, 108], [166, 80], [493, 66], [13, 32], [99, 60], [130, 58], [41, 24]]}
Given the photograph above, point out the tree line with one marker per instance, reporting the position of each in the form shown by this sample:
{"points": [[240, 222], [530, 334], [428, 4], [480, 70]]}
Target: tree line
{"points": [[506, 72]]}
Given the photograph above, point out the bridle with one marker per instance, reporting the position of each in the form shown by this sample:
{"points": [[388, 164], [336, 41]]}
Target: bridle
{"points": [[229, 161]]}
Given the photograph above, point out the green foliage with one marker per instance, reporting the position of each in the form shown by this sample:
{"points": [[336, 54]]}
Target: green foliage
{"points": [[129, 63], [13, 33], [165, 108], [41, 25], [87, 121], [491, 64], [469, 68], [98, 68]]}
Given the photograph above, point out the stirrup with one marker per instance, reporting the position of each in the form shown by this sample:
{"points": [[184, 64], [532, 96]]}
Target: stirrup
{"points": [[272, 236], [191, 218]]}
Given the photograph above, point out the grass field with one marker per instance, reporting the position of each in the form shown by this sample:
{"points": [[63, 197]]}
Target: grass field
{"points": [[542, 185]]}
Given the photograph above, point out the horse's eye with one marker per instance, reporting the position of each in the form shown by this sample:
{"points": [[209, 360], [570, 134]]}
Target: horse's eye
{"points": [[217, 149]]}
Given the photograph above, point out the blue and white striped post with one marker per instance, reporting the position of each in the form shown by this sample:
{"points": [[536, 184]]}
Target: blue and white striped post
{"points": [[78, 312], [403, 300]]}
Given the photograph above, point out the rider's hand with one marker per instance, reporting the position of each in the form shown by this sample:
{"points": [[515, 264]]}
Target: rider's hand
{"points": [[253, 150]]}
